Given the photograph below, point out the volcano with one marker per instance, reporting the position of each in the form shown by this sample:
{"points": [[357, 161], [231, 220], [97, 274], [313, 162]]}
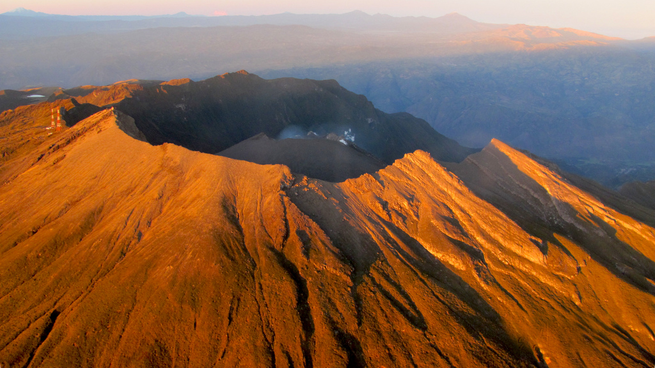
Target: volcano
{"points": [[125, 242]]}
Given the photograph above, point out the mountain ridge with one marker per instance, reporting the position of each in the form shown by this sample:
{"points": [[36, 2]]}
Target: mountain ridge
{"points": [[218, 106], [208, 116], [112, 248], [21, 25]]}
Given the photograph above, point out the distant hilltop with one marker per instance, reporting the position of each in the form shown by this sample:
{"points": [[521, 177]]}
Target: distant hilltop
{"points": [[25, 12]]}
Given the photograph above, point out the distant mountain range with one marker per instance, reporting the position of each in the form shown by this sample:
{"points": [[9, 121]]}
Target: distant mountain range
{"points": [[590, 108], [22, 23], [582, 99], [22, 12]]}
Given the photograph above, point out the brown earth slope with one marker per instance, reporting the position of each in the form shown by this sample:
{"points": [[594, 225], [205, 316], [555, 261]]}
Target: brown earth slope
{"points": [[114, 252], [26, 127]]}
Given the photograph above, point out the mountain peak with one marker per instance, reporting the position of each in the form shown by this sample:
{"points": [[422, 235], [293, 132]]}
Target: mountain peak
{"points": [[456, 16], [176, 82], [24, 12], [357, 13], [495, 142], [239, 73], [501, 146]]}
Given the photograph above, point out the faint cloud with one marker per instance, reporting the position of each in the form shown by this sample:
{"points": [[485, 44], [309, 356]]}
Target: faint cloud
{"points": [[220, 13]]}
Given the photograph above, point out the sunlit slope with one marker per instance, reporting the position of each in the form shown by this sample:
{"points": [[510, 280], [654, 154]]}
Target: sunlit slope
{"points": [[543, 202], [117, 252], [573, 299], [114, 252], [28, 129]]}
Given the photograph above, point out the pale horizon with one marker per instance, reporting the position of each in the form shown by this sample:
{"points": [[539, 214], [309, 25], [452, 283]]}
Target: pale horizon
{"points": [[632, 19]]}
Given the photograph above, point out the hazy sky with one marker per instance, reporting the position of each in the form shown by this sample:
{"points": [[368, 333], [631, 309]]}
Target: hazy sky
{"points": [[625, 18]]}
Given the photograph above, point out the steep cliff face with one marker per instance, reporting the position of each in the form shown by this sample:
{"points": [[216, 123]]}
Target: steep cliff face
{"points": [[114, 252], [215, 114]]}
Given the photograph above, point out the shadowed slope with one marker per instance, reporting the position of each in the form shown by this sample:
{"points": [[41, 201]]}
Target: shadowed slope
{"points": [[642, 193], [215, 114], [10, 99]]}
